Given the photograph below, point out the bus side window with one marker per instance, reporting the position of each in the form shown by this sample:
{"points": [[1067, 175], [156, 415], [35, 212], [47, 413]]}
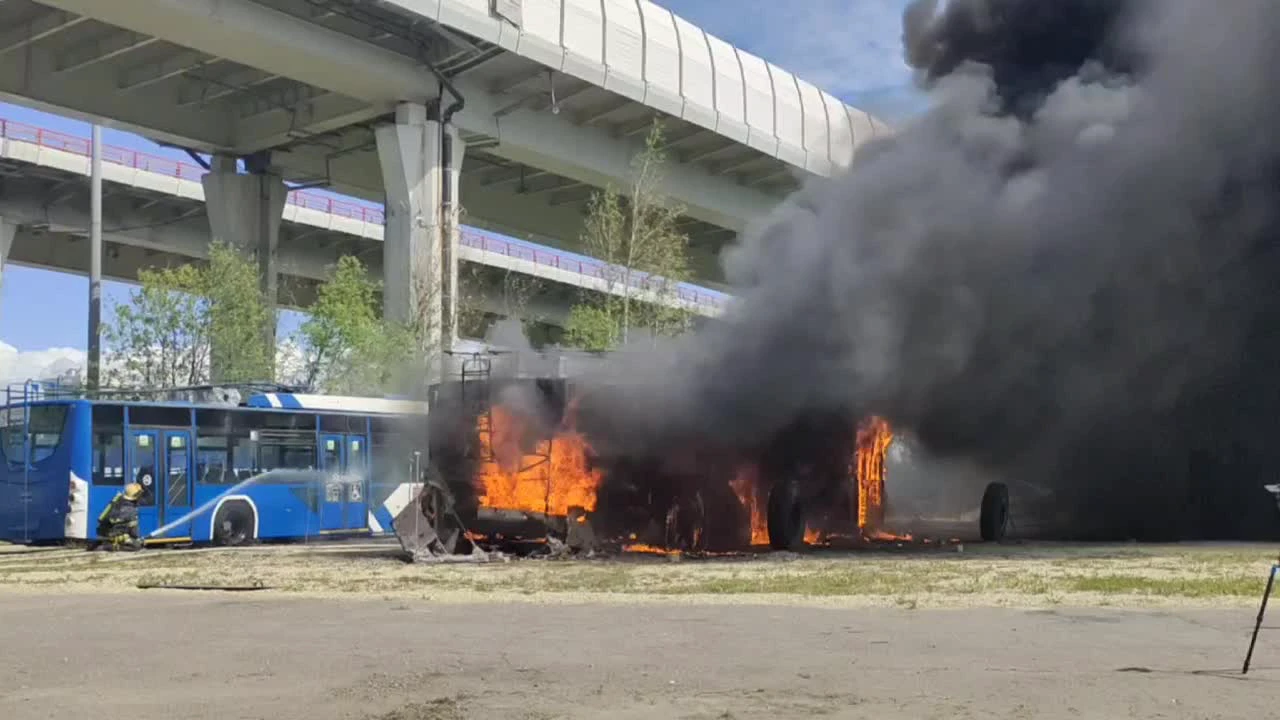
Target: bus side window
{"points": [[108, 445], [275, 456], [243, 463], [45, 423], [223, 459], [211, 460], [108, 459]]}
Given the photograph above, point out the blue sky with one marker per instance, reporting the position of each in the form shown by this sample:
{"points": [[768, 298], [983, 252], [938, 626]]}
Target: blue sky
{"points": [[851, 49]]}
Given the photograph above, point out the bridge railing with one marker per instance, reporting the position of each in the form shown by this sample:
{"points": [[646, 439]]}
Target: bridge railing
{"points": [[147, 162]]}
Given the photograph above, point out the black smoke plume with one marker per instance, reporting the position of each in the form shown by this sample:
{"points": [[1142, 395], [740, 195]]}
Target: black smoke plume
{"points": [[1066, 271]]}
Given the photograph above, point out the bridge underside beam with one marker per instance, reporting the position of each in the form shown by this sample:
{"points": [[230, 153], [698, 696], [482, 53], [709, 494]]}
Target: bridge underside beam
{"points": [[31, 78], [63, 249], [254, 35]]}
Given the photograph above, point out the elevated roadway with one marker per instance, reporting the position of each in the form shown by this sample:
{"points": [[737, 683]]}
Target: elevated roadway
{"points": [[507, 113], [156, 217]]}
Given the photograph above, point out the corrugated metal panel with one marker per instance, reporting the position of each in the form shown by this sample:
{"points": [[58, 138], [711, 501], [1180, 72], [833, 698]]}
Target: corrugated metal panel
{"points": [[861, 124], [730, 102], [624, 49], [758, 88], [643, 51], [584, 29], [841, 133], [540, 35], [661, 59], [697, 84], [509, 10], [881, 128], [425, 8], [758, 93], [817, 134], [471, 16], [788, 116]]}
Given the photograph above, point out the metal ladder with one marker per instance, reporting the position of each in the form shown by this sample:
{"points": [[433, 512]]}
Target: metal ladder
{"points": [[476, 371], [23, 395], [477, 399]]}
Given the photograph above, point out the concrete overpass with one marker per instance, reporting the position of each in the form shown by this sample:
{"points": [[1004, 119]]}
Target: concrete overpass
{"points": [[156, 216], [545, 100]]}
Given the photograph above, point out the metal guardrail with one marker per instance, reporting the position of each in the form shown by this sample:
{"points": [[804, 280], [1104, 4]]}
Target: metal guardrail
{"points": [[147, 162]]}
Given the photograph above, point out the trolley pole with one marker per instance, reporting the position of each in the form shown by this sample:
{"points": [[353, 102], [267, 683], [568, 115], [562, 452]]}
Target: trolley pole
{"points": [[95, 262]]}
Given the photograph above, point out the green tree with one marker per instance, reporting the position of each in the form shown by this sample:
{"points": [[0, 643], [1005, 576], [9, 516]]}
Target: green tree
{"points": [[159, 338], [347, 347], [241, 327], [189, 324], [647, 257], [592, 327]]}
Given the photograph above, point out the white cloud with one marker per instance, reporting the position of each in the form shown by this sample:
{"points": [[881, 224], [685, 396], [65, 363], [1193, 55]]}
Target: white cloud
{"points": [[18, 366]]}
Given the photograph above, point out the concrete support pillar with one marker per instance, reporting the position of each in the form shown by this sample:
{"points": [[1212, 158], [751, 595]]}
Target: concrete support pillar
{"points": [[452, 206], [419, 270], [7, 230], [245, 211]]}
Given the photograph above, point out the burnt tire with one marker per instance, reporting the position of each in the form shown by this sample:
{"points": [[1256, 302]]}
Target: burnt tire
{"points": [[786, 516], [993, 522], [233, 524]]}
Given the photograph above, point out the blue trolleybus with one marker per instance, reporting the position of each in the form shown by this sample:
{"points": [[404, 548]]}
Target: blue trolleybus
{"points": [[276, 466]]}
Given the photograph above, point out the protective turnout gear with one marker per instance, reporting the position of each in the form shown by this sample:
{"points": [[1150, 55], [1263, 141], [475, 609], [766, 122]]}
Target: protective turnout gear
{"points": [[118, 523]]}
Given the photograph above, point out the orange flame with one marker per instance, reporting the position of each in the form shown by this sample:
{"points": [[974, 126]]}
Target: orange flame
{"points": [[641, 548], [873, 439], [551, 479], [746, 486]]}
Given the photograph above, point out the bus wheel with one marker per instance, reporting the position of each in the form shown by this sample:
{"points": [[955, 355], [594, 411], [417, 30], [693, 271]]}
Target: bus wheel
{"points": [[993, 523], [233, 525], [786, 516]]}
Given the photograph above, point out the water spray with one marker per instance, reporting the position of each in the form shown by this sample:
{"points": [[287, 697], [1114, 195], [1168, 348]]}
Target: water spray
{"points": [[304, 476]]}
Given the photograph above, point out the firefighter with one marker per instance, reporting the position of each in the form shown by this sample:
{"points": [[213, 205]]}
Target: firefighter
{"points": [[118, 523]]}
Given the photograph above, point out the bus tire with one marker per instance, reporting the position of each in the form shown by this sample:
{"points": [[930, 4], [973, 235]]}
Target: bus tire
{"points": [[993, 523], [233, 524], [786, 516]]}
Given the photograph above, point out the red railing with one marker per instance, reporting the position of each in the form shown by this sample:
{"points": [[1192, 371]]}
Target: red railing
{"points": [[342, 208]]}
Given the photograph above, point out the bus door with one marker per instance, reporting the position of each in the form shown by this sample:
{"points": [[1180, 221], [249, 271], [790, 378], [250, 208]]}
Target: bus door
{"points": [[144, 457], [160, 461], [177, 491], [333, 494], [357, 508]]}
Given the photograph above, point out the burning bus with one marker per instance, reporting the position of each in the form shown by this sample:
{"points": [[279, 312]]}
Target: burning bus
{"points": [[520, 464]]}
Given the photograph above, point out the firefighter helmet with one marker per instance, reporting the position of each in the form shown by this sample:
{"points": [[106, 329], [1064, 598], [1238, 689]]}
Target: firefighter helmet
{"points": [[132, 491]]}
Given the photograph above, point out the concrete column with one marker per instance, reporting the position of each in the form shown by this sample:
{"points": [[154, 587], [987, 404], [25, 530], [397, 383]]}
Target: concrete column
{"points": [[93, 366], [453, 231], [245, 211], [412, 251], [7, 230]]}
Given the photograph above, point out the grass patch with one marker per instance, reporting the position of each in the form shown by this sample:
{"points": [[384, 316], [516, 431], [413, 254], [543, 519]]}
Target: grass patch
{"points": [[1190, 587], [1087, 574], [821, 584]]}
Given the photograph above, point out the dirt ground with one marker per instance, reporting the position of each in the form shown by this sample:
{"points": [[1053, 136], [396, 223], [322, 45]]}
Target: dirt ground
{"points": [[349, 632], [203, 656]]}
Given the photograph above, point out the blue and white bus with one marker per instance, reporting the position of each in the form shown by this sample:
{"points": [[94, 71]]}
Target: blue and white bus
{"points": [[278, 466]]}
